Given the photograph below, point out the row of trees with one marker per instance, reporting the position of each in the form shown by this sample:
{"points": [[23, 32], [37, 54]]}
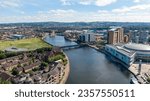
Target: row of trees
{"points": [[4, 55], [8, 54]]}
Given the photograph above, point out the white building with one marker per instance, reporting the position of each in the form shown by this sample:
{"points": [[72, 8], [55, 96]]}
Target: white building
{"points": [[142, 51], [88, 36], [129, 53], [124, 55]]}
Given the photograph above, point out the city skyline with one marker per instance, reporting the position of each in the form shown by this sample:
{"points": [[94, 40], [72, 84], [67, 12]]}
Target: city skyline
{"points": [[13, 11]]}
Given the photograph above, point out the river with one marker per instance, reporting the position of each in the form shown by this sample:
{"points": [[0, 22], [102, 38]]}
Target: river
{"points": [[88, 66]]}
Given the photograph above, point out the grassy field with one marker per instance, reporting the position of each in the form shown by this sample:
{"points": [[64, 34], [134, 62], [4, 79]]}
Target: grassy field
{"points": [[30, 44]]}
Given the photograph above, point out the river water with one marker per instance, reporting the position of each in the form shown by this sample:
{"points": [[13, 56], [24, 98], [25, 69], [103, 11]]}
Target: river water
{"points": [[89, 66]]}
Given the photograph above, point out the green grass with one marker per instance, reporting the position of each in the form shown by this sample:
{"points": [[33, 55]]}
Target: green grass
{"points": [[30, 44]]}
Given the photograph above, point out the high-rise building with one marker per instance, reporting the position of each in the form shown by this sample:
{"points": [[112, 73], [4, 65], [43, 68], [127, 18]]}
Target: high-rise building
{"points": [[126, 38], [116, 35]]}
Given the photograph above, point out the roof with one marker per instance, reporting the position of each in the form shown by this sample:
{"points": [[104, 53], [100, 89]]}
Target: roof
{"points": [[14, 49], [122, 50], [32, 65], [20, 69], [114, 28], [3, 60], [5, 76], [137, 47]]}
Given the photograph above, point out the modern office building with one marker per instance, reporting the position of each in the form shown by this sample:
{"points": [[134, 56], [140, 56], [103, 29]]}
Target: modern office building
{"points": [[129, 53], [87, 37], [115, 35]]}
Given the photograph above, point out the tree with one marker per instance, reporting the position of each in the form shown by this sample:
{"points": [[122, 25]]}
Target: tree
{"points": [[19, 65], [2, 55], [15, 71], [55, 58], [44, 64], [1, 51]]}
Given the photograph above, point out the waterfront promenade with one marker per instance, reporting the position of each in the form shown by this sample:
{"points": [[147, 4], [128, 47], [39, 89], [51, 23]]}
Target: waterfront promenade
{"points": [[66, 71], [145, 72]]}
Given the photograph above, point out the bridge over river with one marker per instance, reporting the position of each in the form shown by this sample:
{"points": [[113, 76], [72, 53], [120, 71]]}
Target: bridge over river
{"points": [[72, 46]]}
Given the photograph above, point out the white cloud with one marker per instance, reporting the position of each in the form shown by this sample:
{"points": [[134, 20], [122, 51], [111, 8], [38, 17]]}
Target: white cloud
{"points": [[136, 8], [9, 3], [85, 2], [97, 2], [136, 13], [104, 2], [88, 2], [60, 15], [137, 1]]}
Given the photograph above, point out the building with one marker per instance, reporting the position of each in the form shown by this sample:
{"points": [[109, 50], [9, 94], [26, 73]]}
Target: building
{"points": [[5, 76], [99, 37], [138, 36], [115, 35], [53, 34], [129, 53], [142, 51], [15, 49], [125, 56], [126, 38], [17, 36], [87, 37]]}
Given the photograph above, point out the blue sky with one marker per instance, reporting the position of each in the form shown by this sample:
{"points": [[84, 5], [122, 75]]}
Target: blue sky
{"points": [[74, 10]]}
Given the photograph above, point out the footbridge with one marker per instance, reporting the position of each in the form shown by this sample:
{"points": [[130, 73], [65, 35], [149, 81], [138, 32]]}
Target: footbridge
{"points": [[72, 46]]}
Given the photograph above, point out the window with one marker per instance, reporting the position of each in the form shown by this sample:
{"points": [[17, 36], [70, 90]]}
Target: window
{"points": [[116, 54]]}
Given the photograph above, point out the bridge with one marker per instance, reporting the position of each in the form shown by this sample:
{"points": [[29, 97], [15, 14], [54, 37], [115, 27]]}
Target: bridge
{"points": [[71, 47]]}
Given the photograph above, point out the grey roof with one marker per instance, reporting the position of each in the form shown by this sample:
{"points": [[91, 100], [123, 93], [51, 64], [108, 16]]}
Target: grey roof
{"points": [[137, 47]]}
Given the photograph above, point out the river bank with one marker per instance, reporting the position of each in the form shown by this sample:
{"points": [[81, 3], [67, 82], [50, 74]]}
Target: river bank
{"points": [[66, 71], [67, 67]]}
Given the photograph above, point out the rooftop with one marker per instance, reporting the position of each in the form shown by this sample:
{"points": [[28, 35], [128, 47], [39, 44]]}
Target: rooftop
{"points": [[122, 50], [114, 28], [14, 49], [137, 47]]}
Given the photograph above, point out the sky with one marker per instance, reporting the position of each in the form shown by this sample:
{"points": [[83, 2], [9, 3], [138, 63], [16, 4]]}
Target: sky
{"points": [[12, 11]]}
